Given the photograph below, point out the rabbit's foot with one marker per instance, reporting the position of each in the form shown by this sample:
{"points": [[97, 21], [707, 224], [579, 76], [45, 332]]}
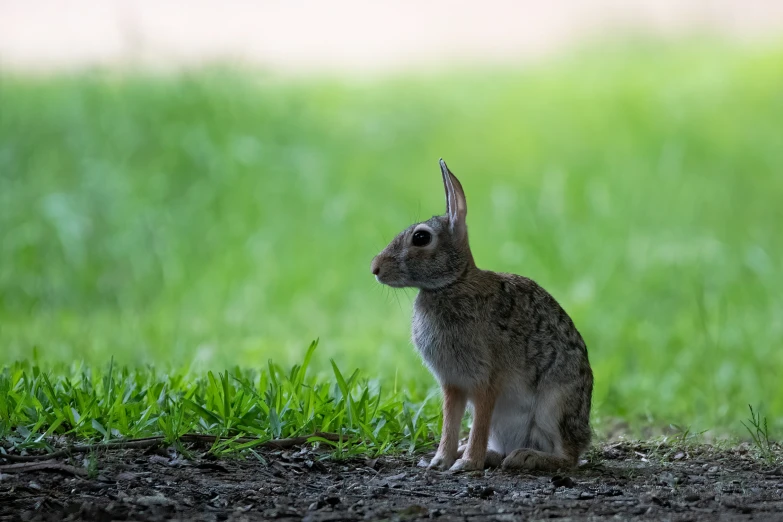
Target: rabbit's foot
{"points": [[441, 462], [466, 465], [534, 460], [492, 460]]}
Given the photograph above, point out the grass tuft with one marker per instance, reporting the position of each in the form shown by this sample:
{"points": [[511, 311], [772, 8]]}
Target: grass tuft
{"points": [[759, 434]]}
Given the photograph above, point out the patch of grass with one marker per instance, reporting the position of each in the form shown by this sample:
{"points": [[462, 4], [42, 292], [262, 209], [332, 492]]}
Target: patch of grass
{"points": [[216, 219], [38, 407], [759, 434]]}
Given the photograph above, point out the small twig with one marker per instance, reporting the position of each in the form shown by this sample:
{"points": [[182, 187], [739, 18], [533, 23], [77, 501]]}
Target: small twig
{"points": [[42, 466], [419, 494], [275, 443], [86, 448], [489, 514], [147, 442], [298, 441]]}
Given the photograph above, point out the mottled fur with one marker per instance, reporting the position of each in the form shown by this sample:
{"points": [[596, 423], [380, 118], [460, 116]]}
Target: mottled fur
{"points": [[498, 343]]}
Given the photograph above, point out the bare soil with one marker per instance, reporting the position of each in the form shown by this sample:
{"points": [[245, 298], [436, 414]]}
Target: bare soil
{"points": [[622, 481]]}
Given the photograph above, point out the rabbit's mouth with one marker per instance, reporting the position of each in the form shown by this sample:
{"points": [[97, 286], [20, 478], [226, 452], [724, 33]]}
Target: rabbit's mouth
{"points": [[393, 284]]}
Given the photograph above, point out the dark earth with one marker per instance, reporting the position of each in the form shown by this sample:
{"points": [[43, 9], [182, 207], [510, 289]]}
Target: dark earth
{"points": [[621, 481]]}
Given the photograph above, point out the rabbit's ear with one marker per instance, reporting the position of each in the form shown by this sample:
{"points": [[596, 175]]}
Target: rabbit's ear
{"points": [[456, 205]]}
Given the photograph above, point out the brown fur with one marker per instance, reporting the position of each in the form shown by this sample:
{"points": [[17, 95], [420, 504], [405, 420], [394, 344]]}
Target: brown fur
{"points": [[498, 341]]}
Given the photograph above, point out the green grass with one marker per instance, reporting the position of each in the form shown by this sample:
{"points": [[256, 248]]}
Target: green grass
{"points": [[118, 403], [219, 219]]}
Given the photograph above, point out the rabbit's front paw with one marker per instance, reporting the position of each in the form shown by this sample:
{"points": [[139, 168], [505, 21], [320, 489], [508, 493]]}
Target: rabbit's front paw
{"points": [[466, 465], [441, 462]]}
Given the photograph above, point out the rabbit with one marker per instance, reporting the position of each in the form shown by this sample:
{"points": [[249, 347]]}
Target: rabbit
{"points": [[498, 343]]}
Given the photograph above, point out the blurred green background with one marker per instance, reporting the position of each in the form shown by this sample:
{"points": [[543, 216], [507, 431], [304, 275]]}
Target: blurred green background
{"points": [[221, 217]]}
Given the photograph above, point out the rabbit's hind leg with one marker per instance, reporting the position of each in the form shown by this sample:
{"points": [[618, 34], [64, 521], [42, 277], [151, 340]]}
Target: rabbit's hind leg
{"points": [[536, 460], [544, 448]]}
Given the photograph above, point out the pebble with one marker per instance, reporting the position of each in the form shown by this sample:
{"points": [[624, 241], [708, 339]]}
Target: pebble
{"points": [[563, 482], [153, 500], [487, 492]]}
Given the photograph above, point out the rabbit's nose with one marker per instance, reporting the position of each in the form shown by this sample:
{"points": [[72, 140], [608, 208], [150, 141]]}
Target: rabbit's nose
{"points": [[375, 266]]}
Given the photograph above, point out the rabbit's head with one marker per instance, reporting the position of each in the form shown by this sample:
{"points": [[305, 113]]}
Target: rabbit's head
{"points": [[431, 254]]}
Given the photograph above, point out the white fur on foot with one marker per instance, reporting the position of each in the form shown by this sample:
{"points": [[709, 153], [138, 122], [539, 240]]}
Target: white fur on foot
{"points": [[466, 465], [441, 462]]}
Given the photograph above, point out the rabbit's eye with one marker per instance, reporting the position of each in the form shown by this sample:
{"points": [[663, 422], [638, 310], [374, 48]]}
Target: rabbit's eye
{"points": [[421, 238]]}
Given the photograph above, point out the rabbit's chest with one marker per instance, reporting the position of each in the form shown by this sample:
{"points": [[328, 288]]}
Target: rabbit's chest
{"points": [[454, 351]]}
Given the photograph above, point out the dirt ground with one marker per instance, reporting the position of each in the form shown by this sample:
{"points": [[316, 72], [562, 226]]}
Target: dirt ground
{"points": [[620, 481]]}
